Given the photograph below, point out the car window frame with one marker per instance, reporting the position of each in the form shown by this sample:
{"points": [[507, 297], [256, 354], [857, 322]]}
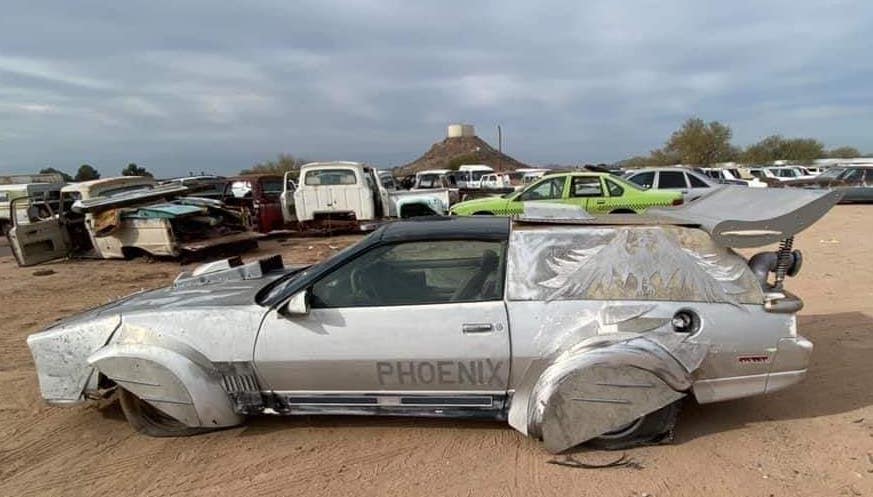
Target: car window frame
{"points": [[652, 185], [501, 270], [564, 193], [680, 173], [688, 177], [571, 193]]}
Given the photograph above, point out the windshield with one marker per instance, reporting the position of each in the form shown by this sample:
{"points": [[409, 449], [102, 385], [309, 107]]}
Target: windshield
{"points": [[832, 173], [428, 180], [277, 288], [111, 192]]}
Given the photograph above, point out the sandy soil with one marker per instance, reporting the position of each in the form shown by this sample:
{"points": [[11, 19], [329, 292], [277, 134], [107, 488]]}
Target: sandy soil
{"points": [[813, 439]]}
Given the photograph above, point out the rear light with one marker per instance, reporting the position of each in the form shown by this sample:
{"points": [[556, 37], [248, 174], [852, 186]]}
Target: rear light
{"points": [[678, 201]]}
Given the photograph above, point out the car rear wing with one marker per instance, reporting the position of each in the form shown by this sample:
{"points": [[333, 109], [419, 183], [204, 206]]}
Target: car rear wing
{"points": [[743, 217], [734, 216]]}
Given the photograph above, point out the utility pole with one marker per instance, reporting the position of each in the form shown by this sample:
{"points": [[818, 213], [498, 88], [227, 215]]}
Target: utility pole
{"points": [[500, 147]]}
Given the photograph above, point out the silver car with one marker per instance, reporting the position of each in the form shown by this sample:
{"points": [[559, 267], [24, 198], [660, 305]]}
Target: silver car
{"points": [[573, 329], [690, 183]]}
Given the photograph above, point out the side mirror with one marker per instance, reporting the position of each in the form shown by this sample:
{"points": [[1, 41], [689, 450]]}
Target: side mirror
{"points": [[298, 305]]}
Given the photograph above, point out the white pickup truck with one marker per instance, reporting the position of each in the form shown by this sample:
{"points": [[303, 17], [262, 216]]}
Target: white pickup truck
{"points": [[354, 192]]}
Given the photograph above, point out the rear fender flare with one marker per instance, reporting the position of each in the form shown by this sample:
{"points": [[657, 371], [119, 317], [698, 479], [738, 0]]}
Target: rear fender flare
{"points": [[630, 362], [170, 382]]}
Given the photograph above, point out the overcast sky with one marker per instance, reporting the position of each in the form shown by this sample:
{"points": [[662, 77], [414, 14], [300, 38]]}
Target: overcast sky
{"points": [[216, 86]]}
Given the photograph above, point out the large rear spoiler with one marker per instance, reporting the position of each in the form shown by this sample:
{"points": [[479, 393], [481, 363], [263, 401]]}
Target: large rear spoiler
{"points": [[735, 216], [741, 217]]}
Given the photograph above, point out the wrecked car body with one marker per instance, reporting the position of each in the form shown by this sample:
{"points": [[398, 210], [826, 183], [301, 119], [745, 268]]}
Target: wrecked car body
{"points": [[123, 217], [571, 328]]}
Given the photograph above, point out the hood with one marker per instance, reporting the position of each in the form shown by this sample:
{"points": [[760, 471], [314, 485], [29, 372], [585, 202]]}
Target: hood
{"points": [[478, 201], [223, 283]]}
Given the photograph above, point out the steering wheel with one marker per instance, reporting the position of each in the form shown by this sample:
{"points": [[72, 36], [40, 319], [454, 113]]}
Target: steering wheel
{"points": [[357, 280]]}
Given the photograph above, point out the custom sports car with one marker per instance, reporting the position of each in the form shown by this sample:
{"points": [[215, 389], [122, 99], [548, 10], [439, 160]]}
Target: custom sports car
{"points": [[573, 328]]}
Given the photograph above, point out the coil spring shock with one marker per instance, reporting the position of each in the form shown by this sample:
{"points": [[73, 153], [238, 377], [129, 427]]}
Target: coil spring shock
{"points": [[784, 259]]}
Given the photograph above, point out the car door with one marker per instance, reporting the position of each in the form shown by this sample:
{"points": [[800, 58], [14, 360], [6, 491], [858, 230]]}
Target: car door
{"points": [[286, 200], [548, 189], [406, 324], [587, 193], [673, 181], [37, 234]]}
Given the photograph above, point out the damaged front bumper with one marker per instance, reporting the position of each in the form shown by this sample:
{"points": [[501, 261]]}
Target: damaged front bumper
{"points": [[60, 355]]}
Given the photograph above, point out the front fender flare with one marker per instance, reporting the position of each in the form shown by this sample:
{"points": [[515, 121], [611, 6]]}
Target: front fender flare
{"points": [[169, 381]]}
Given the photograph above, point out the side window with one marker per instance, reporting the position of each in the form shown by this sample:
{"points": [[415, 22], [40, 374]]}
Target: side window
{"points": [[586, 186], [614, 189], [671, 179], [853, 175], [552, 188], [696, 182], [416, 273], [645, 180], [868, 177], [272, 188]]}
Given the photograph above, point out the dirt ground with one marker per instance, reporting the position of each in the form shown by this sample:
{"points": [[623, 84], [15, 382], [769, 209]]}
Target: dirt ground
{"points": [[814, 439]]}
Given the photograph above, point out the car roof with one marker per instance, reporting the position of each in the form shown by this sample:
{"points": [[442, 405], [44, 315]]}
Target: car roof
{"points": [[447, 228]]}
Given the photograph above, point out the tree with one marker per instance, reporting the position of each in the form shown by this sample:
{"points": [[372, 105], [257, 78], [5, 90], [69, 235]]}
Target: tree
{"points": [[700, 144], [283, 164], [844, 153], [776, 147], [134, 170], [86, 173], [51, 170]]}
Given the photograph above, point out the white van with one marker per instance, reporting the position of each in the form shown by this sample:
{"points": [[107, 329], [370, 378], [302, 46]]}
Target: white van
{"points": [[470, 175]]}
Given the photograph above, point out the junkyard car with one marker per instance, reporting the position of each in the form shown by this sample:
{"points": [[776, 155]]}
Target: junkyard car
{"points": [[594, 192], [854, 182], [114, 218], [40, 188], [572, 330], [351, 191]]}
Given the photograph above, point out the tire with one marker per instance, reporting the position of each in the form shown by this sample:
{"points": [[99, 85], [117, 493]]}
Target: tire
{"points": [[483, 213], [623, 211], [652, 429], [148, 420]]}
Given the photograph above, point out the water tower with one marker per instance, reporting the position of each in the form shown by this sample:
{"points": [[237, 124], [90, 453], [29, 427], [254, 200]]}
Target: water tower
{"points": [[460, 130]]}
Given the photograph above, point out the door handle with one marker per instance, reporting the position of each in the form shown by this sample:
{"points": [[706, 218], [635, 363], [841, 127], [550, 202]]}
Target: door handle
{"points": [[601, 202], [477, 328]]}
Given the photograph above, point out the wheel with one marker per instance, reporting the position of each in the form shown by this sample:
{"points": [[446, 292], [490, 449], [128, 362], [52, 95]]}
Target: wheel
{"points": [[623, 211], [483, 213], [653, 428], [148, 420]]}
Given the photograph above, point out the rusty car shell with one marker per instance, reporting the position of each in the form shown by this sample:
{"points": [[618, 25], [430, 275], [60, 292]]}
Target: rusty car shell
{"points": [[581, 341], [125, 216]]}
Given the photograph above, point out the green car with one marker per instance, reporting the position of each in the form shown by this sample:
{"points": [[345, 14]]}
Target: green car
{"points": [[597, 193]]}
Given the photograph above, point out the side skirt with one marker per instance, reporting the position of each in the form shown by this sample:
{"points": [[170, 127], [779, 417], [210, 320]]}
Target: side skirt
{"points": [[474, 405]]}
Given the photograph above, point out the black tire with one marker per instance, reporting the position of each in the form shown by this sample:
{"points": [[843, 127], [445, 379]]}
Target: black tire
{"points": [[652, 429], [148, 420], [623, 211], [483, 213]]}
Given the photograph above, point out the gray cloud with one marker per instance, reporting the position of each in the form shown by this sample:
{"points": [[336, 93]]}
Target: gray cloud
{"points": [[214, 86]]}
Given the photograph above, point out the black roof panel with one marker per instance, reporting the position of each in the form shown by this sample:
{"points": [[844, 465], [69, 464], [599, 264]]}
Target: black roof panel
{"points": [[448, 227]]}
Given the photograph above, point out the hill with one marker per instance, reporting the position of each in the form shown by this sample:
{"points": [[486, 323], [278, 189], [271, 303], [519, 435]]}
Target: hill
{"points": [[454, 151]]}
